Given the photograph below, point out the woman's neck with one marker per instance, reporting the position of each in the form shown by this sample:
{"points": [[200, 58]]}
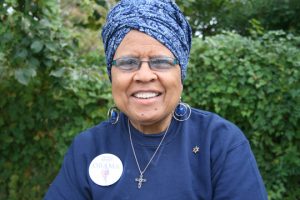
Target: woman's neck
{"points": [[152, 127]]}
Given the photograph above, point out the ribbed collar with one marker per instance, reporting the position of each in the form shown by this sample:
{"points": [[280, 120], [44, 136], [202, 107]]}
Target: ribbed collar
{"points": [[142, 139]]}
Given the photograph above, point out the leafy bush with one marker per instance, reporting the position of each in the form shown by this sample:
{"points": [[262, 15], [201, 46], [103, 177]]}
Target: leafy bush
{"points": [[49, 93], [254, 83]]}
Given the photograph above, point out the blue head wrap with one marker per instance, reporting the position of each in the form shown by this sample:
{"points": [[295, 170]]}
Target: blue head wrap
{"points": [[160, 19]]}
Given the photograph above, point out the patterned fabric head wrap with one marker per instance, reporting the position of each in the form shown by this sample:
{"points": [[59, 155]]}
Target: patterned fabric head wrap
{"points": [[160, 19]]}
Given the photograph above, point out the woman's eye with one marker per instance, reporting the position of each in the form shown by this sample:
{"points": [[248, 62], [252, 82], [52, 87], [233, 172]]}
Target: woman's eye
{"points": [[131, 62], [162, 63], [128, 64]]}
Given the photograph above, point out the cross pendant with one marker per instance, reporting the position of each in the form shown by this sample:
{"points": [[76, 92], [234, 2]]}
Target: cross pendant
{"points": [[140, 181]]}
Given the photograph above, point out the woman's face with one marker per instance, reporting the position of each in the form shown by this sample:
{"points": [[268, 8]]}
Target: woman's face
{"points": [[146, 96]]}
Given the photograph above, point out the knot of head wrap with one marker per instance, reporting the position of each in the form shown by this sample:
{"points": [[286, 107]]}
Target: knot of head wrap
{"points": [[160, 19]]}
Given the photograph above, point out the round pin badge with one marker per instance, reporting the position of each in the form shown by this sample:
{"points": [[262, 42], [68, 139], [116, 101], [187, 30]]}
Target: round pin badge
{"points": [[105, 169]]}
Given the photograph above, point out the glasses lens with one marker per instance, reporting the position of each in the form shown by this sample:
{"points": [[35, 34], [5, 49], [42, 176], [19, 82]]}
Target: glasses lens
{"points": [[127, 64], [162, 63]]}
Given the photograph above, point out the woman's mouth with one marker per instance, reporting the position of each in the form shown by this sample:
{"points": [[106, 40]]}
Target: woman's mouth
{"points": [[146, 95]]}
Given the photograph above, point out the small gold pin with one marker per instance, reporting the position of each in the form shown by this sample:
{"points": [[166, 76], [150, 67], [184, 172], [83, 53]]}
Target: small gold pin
{"points": [[196, 149]]}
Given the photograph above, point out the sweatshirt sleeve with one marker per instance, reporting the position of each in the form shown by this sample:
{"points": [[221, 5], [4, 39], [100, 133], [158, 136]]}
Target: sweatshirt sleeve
{"points": [[239, 177], [67, 184]]}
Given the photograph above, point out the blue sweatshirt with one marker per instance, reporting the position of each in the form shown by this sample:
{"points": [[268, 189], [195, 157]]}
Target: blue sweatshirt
{"points": [[204, 157]]}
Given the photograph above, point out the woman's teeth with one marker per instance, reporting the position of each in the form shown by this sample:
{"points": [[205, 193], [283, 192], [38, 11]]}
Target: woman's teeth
{"points": [[145, 95]]}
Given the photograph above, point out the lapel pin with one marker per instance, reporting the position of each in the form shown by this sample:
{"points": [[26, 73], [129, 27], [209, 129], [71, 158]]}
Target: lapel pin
{"points": [[196, 149]]}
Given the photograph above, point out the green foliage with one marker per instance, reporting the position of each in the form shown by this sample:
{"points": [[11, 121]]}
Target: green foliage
{"points": [[84, 18], [214, 16], [49, 93], [254, 83]]}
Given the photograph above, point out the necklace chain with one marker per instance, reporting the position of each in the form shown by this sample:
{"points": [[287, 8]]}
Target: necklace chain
{"points": [[140, 180]]}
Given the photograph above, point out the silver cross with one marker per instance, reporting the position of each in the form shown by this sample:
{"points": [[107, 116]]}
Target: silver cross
{"points": [[140, 180]]}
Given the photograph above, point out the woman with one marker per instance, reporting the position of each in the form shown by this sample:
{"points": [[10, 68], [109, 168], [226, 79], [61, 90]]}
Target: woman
{"points": [[156, 147]]}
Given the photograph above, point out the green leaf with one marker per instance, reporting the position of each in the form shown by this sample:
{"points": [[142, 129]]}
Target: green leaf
{"points": [[21, 54], [37, 46], [23, 76], [58, 73], [7, 37], [52, 47], [33, 63]]}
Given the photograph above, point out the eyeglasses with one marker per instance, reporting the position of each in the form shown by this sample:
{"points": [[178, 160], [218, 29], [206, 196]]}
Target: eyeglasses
{"points": [[133, 64]]}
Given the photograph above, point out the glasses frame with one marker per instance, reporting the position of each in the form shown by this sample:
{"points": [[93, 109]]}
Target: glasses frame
{"points": [[174, 63]]}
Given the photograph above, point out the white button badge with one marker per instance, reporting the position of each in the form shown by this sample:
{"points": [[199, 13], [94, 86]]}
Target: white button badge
{"points": [[105, 169]]}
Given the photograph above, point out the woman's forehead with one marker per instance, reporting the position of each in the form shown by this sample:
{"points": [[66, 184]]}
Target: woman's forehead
{"points": [[138, 37], [137, 43]]}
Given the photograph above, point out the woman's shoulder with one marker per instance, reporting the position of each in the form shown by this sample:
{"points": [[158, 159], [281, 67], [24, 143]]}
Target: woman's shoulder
{"points": [[216, 129], [96, 131], [211, 119], [98, 137]]}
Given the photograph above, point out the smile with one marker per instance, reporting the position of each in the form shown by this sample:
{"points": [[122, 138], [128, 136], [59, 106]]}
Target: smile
{"points": [[146, 95]]}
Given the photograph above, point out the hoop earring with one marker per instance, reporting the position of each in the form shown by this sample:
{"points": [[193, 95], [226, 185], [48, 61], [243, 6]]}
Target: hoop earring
{"points": [[182, 112], [113, 115]]}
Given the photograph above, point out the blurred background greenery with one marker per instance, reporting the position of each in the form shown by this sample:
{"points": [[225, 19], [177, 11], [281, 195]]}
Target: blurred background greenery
{"points": [[244, 65]]}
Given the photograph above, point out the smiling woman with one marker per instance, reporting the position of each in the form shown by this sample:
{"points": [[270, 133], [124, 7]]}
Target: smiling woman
{"points": [[148, 97], [155, 146]]}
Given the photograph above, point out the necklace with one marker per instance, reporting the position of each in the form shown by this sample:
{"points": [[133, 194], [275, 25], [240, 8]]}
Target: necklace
{"points": [[142, 180]]}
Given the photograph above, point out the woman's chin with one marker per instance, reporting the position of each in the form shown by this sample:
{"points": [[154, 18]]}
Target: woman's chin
{"points": [[154, 121]]}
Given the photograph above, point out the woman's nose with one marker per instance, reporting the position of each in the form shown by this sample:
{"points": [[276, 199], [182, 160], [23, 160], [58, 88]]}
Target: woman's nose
{"points": [[144, 73]]}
